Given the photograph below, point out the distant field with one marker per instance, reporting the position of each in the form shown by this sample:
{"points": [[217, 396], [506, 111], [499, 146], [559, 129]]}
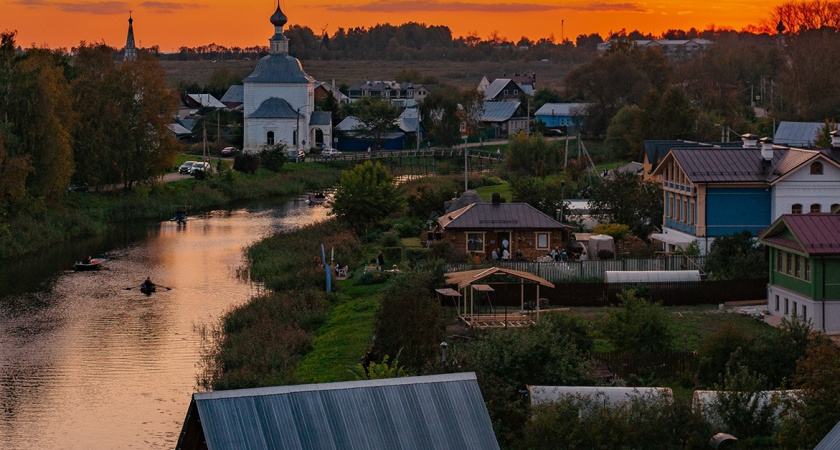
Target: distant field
{"points": [[462, 74]]}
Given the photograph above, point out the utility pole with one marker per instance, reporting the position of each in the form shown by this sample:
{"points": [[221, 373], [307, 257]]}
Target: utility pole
{"points": [[466, 165]]}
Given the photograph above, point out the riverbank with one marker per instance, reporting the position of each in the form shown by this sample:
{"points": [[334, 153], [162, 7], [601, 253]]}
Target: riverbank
{"points": [[41, 225]]}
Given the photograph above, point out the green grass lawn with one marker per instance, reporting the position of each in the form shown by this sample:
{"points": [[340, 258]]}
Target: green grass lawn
{"points": [[486, 192], [342, 341]]}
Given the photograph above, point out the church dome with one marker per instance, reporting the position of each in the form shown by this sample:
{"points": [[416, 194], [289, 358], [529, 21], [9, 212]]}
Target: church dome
{"points": [[278, 68], [278, 19]]}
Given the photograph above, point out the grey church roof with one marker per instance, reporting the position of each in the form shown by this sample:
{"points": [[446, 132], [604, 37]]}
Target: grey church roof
{"points": [[320, 118], [430, 412], [278, 68], [274, 108]]}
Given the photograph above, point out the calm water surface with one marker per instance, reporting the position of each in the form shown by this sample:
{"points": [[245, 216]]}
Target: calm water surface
{"points": [[87, 364]]}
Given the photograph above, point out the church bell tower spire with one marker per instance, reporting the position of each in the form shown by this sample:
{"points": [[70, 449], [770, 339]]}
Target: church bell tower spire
{"points": [[130, 49], [278, 43]]}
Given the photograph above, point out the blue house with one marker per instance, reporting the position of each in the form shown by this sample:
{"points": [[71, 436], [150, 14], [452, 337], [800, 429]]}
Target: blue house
{"points": [[562, 115], [710, 192]]}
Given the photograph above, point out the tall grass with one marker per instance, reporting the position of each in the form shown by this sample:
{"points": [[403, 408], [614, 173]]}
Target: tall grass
{"points": [[80, 215]]}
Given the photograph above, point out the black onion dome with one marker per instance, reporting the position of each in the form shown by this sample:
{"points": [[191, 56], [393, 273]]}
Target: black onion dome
{"points": [[278, 19]]}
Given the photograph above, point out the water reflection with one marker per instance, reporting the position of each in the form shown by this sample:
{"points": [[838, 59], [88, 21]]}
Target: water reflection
{"points": [[90, 362]]}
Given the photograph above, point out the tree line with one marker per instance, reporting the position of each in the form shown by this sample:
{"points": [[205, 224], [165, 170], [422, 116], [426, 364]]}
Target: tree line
{"points": [[82, 120]]}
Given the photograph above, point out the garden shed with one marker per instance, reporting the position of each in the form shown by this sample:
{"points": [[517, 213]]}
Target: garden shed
{"points": [[651, 276], [477, 284]]}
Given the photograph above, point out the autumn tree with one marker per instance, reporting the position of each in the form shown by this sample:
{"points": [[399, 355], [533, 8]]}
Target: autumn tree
{"points": [[532, 156], [148, 147], [439, 116], [627, 199]]}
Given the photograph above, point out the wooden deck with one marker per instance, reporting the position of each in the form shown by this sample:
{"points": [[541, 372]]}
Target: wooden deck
{"points": [[509, 320]]}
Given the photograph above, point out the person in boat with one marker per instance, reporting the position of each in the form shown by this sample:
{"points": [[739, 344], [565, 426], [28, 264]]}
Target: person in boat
{"points": [[86, 260], [148, 285]]}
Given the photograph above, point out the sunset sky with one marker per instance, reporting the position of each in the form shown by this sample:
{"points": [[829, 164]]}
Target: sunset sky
{"points": [[245, 23]]}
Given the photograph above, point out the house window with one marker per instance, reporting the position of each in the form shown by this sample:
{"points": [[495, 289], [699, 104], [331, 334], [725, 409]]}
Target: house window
{"points": [[506, 92], [807, 269], [804, 312], [834, 207], [542, 241], [795, 309], [788, 261], [463, 127], [796, 267], [796, 209], [816, 168], [515, 92], [786, 306], [777, 303], [269, 138], [815, 208], [475, 242], [778, 260]]}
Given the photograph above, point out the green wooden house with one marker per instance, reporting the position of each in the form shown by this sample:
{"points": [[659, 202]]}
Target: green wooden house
{"points": [[805, 269]]}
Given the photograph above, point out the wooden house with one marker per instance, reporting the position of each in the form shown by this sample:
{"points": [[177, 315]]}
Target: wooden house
{"points": [[479, 228]]}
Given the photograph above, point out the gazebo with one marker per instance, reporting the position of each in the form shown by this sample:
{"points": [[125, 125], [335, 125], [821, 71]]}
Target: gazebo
{"points": [[471, 281]]}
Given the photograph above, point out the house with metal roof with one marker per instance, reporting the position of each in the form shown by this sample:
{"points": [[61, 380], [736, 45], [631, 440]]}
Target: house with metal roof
{"points": [[526, 82], [712, 192], [279, 100], [234, 97], [479, 228], [502, 119], [403, 95], [411, 413], [567, 116], [797, 134], [655, 151], [805, 269], [501, 90]]}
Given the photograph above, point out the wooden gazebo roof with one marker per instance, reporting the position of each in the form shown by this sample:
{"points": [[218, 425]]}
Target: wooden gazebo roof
{"points": [[468, 277]]}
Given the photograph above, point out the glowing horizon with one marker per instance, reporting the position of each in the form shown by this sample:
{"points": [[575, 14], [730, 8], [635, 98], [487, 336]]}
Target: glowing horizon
{"points": [[170, 25]]}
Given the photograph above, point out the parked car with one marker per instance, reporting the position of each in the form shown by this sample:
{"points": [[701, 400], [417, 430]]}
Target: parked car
{"points": [[330, 153], [199, 167], [228, 151], [185, 168], [297, 155]]}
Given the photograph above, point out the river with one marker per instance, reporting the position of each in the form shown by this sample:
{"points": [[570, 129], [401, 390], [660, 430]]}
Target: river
{"points": [[86, 363]]}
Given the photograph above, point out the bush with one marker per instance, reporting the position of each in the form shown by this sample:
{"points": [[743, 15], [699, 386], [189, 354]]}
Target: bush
{"points": [[274, 158], [639, 326], [368, 278], [605, 254], [247, 163]]}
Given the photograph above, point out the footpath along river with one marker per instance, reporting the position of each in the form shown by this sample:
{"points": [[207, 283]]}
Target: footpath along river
{"points": [[87, 364]]}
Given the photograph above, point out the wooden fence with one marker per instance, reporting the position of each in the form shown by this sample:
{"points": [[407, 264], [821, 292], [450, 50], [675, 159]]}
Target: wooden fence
{"points": [[597, 294]]}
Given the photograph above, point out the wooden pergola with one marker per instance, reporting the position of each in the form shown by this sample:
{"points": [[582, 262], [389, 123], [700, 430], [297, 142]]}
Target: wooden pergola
{"points": [[471, 281]]}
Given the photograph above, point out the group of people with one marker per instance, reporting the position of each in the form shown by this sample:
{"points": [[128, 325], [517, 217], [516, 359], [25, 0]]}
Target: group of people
{"points": [[558, 255]]}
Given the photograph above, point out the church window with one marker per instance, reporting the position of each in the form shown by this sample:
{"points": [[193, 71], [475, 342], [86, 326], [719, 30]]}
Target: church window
{"points": [[796, 209], [269, 138], [816, 168]]}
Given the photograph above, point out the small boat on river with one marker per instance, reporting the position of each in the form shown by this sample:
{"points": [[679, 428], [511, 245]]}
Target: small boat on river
{"points": [[317, 198], [148, 289], [93, 264]]}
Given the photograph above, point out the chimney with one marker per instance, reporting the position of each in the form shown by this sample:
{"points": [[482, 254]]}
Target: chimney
{"points": [[750, 140], [767, 148], [497, 198], [835, 139]]}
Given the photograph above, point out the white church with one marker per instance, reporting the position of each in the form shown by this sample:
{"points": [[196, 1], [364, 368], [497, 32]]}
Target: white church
{"points": [[279, 100]]}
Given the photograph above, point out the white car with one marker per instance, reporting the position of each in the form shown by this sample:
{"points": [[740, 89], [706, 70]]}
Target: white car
{"points": [[227, 151], [329, 153]]}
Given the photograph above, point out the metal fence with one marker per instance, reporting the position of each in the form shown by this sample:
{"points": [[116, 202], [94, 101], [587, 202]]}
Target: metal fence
{"points": [[666, 365], [591, 270]]}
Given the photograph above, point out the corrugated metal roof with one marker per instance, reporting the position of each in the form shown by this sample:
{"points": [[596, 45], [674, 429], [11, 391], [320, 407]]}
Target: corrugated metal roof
{"points": [[178, 129], [278, 68], [562, 109], [320, 118], [797, 134], [234, 94], [429, 412], [656, 150], [499, 111], [611, 396], [206, 100], [497, 86], [709, 165], [274, 108], [831, 441], [817, 234], [509, 216], [349, 123]]}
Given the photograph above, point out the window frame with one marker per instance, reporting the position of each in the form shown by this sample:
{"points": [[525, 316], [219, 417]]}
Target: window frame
{"points": [[468, 243], [817, 168], [269, 138], [537, 236], [796, 208]]}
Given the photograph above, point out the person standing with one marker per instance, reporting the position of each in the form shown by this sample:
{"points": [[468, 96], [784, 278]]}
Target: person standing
{"points": [[495, 255], [505, 244], [505, 255], [380, 260]]}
